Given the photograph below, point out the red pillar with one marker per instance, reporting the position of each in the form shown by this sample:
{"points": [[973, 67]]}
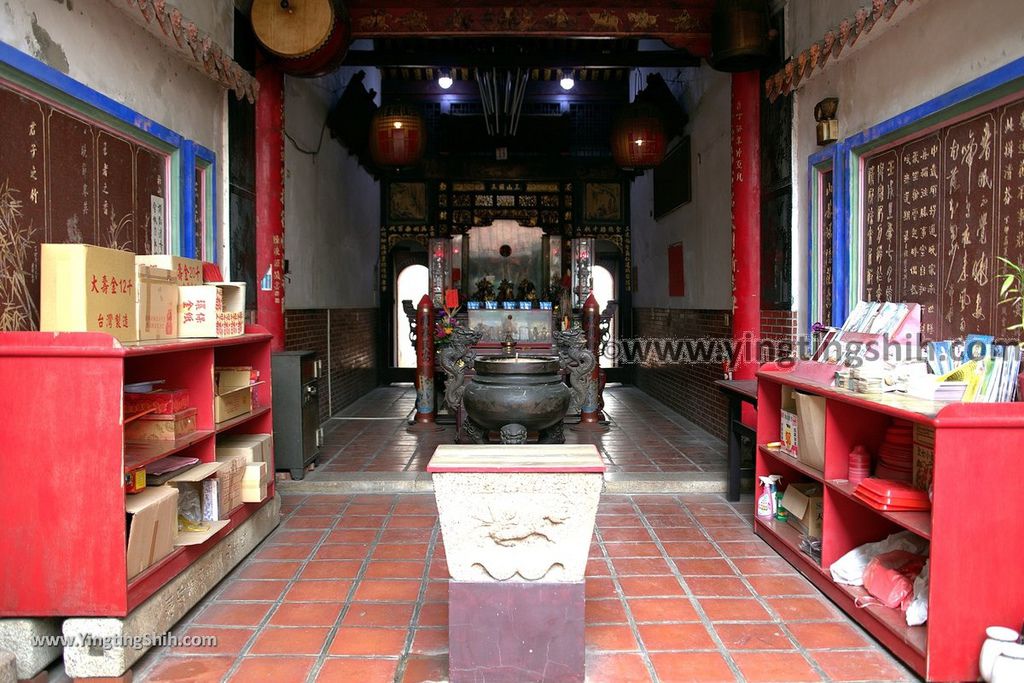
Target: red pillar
{"points": [[590, 412], [270, 203], [746, 219], [425, 408]]}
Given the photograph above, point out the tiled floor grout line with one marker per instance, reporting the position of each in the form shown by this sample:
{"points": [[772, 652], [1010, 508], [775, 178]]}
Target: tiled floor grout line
{"points": [[698, 608], [332, 632], [421, 596], [247, 646], [613, 574]]}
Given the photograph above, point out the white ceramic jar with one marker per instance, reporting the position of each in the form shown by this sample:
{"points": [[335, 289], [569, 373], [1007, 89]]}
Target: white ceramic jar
{"points": [[999, 639], [1009, 665]]}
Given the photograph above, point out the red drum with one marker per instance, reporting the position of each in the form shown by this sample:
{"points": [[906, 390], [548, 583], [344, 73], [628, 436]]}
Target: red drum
{"points": [[307, 37]]}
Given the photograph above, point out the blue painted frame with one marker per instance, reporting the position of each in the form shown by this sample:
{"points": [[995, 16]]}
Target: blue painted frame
{"points": [[32, 74], [196, 156], [849, 152], [817, 163]]}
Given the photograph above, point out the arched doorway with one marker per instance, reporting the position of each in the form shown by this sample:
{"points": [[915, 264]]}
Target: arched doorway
{"points": [[411, 284]]}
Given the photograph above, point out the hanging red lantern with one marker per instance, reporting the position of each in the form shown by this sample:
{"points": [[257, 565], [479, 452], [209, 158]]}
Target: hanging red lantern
{"points": [[638, 137], [396, 136]]}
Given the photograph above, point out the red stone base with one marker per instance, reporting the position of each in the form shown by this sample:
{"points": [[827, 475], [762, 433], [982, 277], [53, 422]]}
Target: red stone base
{"points": [[516, 632]]}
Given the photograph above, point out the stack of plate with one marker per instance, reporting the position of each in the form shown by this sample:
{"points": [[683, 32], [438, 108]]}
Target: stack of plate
{"points": [[894, 496], [896, 454], [860, 465]]}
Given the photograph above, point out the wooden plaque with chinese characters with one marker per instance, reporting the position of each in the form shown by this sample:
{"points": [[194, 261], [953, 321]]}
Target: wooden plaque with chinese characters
{"points": [[66, 178], [939, 209]]}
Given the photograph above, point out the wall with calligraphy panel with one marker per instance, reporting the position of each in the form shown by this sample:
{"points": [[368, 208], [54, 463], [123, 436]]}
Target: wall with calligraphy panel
{"points": [[939, 209], [66, 178]]}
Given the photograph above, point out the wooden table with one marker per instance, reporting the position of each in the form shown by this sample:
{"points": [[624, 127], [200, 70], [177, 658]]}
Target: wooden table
{"points": [[737, 391]]}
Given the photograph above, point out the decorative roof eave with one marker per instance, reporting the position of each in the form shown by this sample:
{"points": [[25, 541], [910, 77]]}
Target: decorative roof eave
{"points": [[849, 30], [182, 36]]}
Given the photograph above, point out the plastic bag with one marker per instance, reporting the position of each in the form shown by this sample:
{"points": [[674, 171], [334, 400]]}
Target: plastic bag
{"points": [[849, 569], [917, 610], [889, 577], [190, 509]]}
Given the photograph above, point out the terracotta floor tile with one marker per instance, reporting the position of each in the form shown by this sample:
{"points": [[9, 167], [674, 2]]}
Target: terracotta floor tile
{"points": [[616, 667], [351, 536], [424, 669], [634, 586], [191, 669], [330, 569], [342, 551], [306, 614], [308, 523], [597, 566], [394, 569], [644, 566], [722, 586], [704, 567], [233, 613], [433, 614], [600, 587], [289, 551], [610, 637], [680, 535], [662, 609], [729, 533], [753, 637], [358, 670], [312, 508], [809, 608], [437, 591], [629, 519], [605, 612], [290, 641], [782, 585], [303, 537], [252, 590], [625, 534], [774, 667], [722, 520], [686, 549], [385, 642], [328, 590], [276, 669], [429, 641], [676, 667], [230, 641], [676, 637], [828, 635], [267, 570], [406, 535], [412, 522], [670, 521], [388, 590], [378, 614], [361, 522], [734, 609], [867, 665], [734, 549], [647, 549], [772, 566], [401, 551]]}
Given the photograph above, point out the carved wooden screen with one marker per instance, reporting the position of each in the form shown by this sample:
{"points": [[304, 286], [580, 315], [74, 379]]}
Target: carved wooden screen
{"points": [[826, 230], [939, 209], [66, 178]]}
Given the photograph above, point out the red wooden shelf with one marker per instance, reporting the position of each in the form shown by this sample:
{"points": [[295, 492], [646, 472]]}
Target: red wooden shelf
{"points": [[242, 419], [178, 345], [789, 535], [790, 461], [918, 522], [892, 619], [138, 455]]}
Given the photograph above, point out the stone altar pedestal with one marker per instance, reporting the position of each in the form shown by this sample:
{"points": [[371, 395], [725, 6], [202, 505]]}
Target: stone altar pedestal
{"points": [[517, 522]]}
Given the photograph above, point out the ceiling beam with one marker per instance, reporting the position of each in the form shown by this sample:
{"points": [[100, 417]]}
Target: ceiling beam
{"points": [[531, 60]]}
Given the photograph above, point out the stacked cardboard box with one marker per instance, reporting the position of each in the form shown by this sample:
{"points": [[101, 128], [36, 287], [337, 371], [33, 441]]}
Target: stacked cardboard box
{"points": [[234, 392], [186, 271], [212, 310], [83, 288], [255, 481], [156, 303]]}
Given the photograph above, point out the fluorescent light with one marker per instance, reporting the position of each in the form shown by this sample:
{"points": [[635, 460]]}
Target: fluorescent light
{"points": [[445, 79], [567, 81]]}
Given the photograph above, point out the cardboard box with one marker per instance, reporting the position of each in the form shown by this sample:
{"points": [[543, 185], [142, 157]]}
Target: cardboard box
{"points": [[804, 503], [788, 428], [211, 499], [810, 411], [924, 435], [186, 271], [254, 482], [83, 288], [234, 393], [214, 310], [230, 476], [194, 479], [162, 401], [260, 446], [152, 526], [155, 427], [924, 466], [156, 303]]}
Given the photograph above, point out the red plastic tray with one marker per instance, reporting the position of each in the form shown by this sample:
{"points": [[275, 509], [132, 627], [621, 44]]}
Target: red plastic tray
{"points": [[892, 494], [889, 507]]}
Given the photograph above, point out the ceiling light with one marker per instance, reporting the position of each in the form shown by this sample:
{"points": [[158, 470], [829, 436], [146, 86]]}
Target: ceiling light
{"points": [[567, 81], [445, 79]]}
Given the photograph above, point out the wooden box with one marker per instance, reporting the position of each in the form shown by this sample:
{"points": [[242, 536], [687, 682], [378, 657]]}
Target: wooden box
{"points": [[155, 427], [84, 288]]}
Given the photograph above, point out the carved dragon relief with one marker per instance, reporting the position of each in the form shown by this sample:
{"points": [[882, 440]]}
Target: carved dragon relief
{"points": [[455, 359], [523, 530], [574, 356]]}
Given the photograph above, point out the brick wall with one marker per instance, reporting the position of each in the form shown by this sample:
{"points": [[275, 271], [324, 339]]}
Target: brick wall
{"points": [[350, 365], [686, 388], [777, 326]]}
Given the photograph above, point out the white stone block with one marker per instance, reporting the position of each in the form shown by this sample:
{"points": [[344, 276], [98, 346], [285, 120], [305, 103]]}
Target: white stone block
{"points": [[25, 639]]}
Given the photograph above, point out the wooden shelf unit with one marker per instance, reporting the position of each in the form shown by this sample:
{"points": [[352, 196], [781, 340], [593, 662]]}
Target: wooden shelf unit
{"points": [[976, 524], [64, 459]]}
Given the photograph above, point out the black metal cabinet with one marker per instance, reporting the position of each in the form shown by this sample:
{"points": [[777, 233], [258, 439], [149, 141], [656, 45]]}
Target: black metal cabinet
{"points": [[297, 432]]}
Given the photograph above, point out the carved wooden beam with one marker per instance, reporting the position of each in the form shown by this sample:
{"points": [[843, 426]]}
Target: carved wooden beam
{"points": [[182, 36], [682, 25]]}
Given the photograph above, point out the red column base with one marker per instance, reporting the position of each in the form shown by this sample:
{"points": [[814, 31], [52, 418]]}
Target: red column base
{"points": [[591, 422]]}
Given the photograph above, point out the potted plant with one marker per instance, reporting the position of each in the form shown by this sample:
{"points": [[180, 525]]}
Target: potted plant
{"points": [[1012, 291]]}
